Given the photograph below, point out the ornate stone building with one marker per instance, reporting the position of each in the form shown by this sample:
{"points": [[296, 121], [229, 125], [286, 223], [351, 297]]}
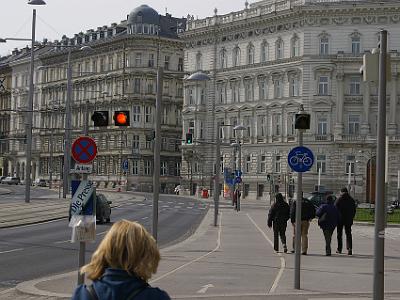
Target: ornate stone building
{"points": [[118, 73], [269, 58]]}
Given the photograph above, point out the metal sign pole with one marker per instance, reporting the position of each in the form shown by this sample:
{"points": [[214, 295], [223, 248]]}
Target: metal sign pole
{"points": [[297, 258]]}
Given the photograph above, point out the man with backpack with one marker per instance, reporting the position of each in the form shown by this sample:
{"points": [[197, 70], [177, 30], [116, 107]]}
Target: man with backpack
{"points": [[307, 214], [278, 216]]}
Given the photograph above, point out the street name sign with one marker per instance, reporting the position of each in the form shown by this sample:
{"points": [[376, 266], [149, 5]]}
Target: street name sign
{"points": [[82, 169]]}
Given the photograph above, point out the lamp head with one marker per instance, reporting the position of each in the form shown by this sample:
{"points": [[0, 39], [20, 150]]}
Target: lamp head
{"points": [[239, 127], [3, 40], [36, 2], [198, 76]]}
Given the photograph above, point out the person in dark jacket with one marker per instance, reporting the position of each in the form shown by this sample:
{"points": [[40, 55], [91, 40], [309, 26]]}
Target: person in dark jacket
{"points": [[121, 266], [328, 218], [278, 216], [307, 214], [347, 208]]}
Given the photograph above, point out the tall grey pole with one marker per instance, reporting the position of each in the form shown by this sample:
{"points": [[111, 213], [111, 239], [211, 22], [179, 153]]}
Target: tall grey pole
{"points": [[67, 142], [216, 177], [29, 116], [82, 245], [297, 258], [379, 244], [240, 171], [157, 151], [51, 158]]}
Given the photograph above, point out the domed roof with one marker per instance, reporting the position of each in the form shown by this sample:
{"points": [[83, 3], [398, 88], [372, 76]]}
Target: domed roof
{"points": [[144, 14]]}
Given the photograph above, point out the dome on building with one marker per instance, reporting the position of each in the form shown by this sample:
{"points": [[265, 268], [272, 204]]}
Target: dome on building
{"points": [[144, 14]]}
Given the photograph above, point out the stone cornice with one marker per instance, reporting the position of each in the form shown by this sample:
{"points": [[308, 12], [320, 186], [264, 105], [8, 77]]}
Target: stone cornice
{"points": [[292, 20]]}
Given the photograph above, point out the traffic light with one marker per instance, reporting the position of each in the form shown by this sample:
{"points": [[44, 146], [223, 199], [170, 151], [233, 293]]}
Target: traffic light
{"points": [[189, 138], [302, 121], [100, 118], [121, 118]]}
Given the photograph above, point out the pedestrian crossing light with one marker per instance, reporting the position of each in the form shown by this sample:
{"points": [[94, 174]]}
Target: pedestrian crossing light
{"points": [[189, 138], [100, 118], [121, 118], [302, 121]]}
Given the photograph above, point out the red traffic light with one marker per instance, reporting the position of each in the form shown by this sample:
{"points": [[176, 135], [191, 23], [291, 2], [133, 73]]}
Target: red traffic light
{"points": [[121, 118]]}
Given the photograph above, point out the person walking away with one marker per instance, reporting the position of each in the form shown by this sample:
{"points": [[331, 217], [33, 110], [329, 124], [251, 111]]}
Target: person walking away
{"points": [[307, 214], [278, 215], [328, 218], [347, 208], [121, 266]]}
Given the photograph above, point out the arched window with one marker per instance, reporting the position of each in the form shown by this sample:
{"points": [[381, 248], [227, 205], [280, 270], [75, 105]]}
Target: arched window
{"points": [[279, 48], [199, 61], [250, 54], [223, 63], [324, 45], [355, 43], [264, 51], [236, 56], [295, 47]]}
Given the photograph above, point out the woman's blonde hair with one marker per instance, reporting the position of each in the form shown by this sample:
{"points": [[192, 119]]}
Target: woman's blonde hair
{"points": [[127, 246]]}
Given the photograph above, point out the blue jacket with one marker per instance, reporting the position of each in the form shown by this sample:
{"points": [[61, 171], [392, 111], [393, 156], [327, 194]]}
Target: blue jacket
{"points": [[117, 284], [331, 218]]}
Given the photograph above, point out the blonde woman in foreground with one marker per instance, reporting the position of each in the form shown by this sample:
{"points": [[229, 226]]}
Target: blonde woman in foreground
{"points": [[125, 260]]}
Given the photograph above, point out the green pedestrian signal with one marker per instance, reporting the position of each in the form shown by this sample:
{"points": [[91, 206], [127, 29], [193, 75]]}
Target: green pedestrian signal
{"points": [[189, 138]]}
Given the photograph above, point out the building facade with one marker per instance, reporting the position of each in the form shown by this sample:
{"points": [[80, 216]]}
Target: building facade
{"points": [[269, 58], [117, 72]]}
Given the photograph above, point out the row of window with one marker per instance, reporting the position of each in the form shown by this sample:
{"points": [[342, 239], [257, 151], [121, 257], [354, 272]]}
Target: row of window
{"points": [[107, 63], [278, 161], [231, 92], [279, 50], [259, 126]]}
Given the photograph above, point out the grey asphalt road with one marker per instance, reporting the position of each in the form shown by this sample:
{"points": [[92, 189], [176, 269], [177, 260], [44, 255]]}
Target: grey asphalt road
{"points": [[18, 192], [32, 251]]}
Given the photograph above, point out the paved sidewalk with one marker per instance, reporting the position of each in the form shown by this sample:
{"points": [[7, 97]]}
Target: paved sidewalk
{"points": [[236, 261]]}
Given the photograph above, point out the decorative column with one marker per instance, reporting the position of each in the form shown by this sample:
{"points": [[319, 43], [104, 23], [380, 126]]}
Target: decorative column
{"points": [[365, 126], [338, 130], [392, 126], [284, 126], [270, 128]]}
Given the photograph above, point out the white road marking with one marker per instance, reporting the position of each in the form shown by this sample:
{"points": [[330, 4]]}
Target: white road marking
{"points": [[144, 218], [205, 288], [283, 263], [189, 207], [196, 259], [62, 242], [13, 250]]}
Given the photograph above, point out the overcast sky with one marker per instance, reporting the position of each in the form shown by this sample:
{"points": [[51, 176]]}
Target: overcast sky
{"points": [[59, 17]]}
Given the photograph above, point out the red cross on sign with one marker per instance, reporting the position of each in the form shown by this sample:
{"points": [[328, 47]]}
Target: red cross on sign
{"points": [[84, 150]]}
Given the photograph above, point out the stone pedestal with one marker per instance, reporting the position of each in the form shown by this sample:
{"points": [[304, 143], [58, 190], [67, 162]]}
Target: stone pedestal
{"points": [[392, 129], [338, 131], [364, 130]]}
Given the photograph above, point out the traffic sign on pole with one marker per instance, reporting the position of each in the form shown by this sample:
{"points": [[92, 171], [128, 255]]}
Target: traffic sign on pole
{"points": [[84, 150], [301, 159], [125, 165]]}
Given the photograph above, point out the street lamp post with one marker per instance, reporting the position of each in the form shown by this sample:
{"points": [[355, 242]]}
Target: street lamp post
{"points": [[30, 101]]}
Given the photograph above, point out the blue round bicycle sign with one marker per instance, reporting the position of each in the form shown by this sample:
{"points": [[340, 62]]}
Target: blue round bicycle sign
{"points": [[300, 159]]}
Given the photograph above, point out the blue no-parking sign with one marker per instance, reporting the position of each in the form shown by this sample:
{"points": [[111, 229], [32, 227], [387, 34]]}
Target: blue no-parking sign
{"points": [[300, 159]]}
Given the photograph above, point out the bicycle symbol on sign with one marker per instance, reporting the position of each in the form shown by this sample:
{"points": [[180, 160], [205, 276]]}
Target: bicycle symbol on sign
{"points": [[301, 158]]}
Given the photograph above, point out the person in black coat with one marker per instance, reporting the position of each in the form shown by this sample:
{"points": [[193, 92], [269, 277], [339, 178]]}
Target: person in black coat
{"points": [[347, 208], [328, 218], [307, 214], [278, 215]]}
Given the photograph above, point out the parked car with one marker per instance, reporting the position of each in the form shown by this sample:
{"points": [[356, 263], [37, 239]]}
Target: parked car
{"points": [[12, 180], [103, 209], [41, 182], [2, 178], [318, 198]]}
